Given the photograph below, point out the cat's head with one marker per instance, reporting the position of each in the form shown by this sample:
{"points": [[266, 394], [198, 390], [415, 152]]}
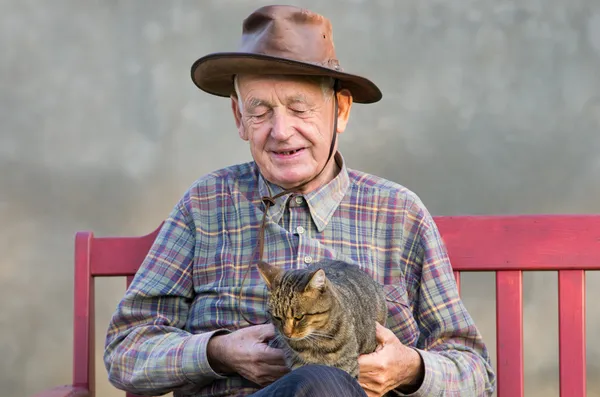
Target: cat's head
{"points": [[300, 300]]}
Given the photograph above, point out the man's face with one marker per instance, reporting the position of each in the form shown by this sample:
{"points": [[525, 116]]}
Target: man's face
{"points": [[289, 126]]}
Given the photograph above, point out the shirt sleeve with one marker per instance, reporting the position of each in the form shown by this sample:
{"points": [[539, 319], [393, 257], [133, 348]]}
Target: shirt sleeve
{"points": [[456, 360], [147, 349]]}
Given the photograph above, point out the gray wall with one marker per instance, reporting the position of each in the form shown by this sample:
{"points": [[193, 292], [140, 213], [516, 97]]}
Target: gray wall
{"points": [[489, 108]]}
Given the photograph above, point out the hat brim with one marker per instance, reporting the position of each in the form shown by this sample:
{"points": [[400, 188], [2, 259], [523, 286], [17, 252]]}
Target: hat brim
{"points": [[214, 73]]}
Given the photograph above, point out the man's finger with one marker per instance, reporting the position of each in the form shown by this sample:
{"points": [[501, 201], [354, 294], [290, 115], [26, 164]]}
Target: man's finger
{"points": [[270, 355], [274, 372], [279, 370], [272, 376]]}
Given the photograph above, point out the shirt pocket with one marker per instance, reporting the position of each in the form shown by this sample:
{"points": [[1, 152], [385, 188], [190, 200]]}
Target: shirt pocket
{"points": [[401, 320]]}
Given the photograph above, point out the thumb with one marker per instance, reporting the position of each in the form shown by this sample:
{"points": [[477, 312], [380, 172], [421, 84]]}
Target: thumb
{"points": [[266, 331], [382, 334]]}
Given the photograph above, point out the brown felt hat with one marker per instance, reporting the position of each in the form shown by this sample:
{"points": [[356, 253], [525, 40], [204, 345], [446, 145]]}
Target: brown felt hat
{"points": [[281, 40]]}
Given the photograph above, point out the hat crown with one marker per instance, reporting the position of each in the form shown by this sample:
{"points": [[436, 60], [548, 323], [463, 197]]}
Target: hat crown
{"points": [[290, 32], [281, 40]]}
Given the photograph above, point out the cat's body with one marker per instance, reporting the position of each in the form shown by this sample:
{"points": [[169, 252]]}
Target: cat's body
{"points": [[325, 316]]}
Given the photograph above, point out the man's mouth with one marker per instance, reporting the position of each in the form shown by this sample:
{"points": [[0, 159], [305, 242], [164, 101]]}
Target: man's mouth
{"points": [[288, 152]]}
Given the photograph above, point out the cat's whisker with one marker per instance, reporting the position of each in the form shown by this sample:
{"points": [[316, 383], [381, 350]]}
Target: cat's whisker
{"points": [[280, 337], [304, 338], [313, 336]]}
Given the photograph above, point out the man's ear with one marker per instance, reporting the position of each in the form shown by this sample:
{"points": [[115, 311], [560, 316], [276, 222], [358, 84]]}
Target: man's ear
{"points": [[237, 115], [344, 105]]}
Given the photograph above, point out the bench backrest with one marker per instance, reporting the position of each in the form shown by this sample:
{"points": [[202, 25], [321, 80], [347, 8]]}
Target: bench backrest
{"points": [[506, 245]]}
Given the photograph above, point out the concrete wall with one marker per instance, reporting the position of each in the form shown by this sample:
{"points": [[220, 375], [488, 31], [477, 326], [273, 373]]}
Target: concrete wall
{"points": [[489, 108]]}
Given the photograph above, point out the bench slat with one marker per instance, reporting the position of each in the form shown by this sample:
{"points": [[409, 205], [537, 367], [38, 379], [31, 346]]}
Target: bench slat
{"points": [[83, 318], [571, 312], [509, 322], [457, 278], [120, 256], [522, 242]]}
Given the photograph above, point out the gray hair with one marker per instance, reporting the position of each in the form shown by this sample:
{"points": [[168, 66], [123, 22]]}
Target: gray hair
{"points": [[325, 82]]}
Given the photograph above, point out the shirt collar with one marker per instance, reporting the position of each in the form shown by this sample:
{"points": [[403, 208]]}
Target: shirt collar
{"points": [[322, 202]]}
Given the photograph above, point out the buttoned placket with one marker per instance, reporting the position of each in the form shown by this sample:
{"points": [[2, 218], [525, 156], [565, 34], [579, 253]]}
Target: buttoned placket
{"points": [[300, 224]]}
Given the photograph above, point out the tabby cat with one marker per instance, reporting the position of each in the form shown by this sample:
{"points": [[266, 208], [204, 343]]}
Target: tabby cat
{"points": [[324, 313]]}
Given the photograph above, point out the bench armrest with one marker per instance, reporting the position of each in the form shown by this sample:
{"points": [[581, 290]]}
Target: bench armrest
{"points": [[64, 391]]}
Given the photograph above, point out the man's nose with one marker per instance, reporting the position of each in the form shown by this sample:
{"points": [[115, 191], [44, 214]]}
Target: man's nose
{"points": [[280, 125]]}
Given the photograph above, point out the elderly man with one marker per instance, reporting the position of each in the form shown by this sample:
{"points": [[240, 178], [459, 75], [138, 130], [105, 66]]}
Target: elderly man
{"points": [[193, 321]]}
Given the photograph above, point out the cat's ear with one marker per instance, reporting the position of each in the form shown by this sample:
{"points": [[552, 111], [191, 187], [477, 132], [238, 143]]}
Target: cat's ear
{"points": [[269, 273], [317, 281]]}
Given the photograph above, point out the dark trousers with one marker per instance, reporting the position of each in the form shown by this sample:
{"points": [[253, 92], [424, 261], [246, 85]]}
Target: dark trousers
{"points": [[313, 381]]}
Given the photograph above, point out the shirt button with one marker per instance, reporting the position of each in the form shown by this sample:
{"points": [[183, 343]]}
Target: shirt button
{"points": [[300, 230], [307, 259], [298, 200]]}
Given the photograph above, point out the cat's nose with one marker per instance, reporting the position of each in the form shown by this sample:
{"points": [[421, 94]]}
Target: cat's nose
{"points": [[288, 330]]}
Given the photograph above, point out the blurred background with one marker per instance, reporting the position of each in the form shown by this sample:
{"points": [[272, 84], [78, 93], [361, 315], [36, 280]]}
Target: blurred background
{"points": [[489, 107]]}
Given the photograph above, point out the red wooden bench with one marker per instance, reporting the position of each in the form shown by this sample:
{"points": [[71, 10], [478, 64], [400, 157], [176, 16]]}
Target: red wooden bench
{"points": [[507, 245]]}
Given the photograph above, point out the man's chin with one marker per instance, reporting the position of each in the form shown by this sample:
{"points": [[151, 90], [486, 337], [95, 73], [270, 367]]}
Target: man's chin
{"points": [[289, 179], [291, 183]]}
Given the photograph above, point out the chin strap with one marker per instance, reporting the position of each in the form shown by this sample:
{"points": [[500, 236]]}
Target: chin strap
{"points": [[269, 201]]}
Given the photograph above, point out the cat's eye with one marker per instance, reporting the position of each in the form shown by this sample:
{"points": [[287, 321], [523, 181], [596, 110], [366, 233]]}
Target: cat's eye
{"points": [[299, 318], [278, 319]]}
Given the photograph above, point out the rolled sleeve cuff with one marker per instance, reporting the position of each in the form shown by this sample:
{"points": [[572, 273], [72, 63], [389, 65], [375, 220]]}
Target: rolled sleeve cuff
{"points": [[196, 367], [431, 385]]}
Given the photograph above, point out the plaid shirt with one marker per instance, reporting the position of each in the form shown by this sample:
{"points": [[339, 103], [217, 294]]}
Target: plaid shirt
{"points": [[187, 288]]}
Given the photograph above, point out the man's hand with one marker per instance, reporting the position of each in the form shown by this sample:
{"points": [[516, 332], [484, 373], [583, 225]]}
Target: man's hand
{"points": [[245, 352], [390, 366]]}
